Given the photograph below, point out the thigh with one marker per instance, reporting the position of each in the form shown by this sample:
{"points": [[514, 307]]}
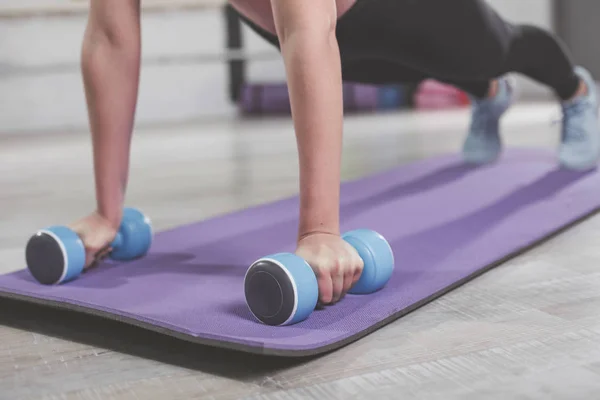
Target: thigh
{"points": [[384, 72], [450, 39]]}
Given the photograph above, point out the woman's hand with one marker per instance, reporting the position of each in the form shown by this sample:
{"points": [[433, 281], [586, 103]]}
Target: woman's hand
{"points": [[96, 232], [335, 262]]}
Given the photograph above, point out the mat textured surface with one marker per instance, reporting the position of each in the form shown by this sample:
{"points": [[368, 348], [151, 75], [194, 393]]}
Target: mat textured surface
{"points": [[446, 222]]}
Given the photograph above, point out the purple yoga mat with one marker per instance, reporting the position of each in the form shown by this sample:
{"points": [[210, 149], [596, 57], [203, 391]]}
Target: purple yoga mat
{"points": [[445, 221]]}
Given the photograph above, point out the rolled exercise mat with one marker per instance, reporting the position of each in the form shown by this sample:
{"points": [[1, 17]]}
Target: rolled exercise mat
{"points": [[393, 97], [265, 98], [273, 98], [360, 97], [434, 95], [446, 223]]}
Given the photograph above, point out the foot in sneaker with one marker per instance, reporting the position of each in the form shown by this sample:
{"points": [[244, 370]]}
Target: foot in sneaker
{"points": [[580, 139], [483, 143]]}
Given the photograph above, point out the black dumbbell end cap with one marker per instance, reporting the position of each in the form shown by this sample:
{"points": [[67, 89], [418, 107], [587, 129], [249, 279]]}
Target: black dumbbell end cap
{"points": [[45, 258], [269, 292]]}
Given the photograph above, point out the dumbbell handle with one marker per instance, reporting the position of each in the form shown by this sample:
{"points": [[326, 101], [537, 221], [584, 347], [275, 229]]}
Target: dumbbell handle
{"points": [[117, 241], [115, 244]]}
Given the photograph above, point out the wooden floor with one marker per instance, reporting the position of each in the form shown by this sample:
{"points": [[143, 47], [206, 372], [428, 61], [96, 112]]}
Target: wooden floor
{"points": [[529, 329]]}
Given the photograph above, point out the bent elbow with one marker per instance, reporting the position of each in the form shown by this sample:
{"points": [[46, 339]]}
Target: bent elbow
{"points": [[322, 27]]}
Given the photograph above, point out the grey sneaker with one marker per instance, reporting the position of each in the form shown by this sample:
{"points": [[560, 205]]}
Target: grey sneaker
{"points": [[483, 143], [580, 139]]}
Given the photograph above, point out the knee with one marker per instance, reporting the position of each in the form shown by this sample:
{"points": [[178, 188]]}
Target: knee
{"points": [[529, 32], [529, 37]]}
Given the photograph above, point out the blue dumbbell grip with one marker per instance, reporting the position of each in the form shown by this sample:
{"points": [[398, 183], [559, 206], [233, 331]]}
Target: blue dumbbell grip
{"points": [[378, 257], [117, 241]]}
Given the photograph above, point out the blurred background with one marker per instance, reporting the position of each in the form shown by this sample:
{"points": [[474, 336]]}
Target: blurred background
{"points": [[213, 135], [186, 75]]}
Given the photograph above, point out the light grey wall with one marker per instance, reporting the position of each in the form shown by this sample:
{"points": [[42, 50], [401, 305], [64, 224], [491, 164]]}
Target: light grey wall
{"points": [[536, 12], [577, 24], [176, 92]]}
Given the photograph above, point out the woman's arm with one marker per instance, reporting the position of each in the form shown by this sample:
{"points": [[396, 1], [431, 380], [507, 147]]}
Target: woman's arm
{"points": [[306, 30], [110, 63]]}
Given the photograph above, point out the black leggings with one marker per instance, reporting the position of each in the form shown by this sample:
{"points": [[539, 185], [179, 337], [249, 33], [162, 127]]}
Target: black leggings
{"points": [[464, 43]]}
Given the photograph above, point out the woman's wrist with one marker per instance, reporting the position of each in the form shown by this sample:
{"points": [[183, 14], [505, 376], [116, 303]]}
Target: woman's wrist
{"points": [[322, 217], [111, 210]]}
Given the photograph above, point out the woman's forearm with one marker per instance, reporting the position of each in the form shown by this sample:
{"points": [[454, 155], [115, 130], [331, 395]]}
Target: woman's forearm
{"points": [[110, 68], [314, 78]]}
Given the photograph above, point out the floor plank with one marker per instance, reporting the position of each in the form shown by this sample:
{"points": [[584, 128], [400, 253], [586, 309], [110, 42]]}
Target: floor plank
{"points": [[529, 329]]}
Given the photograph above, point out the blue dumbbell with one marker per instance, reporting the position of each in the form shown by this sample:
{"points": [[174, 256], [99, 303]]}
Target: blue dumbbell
{"points": [[282, 289], [56, 254]]}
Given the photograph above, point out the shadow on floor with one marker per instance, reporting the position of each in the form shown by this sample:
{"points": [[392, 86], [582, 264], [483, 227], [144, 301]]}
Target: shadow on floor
{"points": [[126, 339]]}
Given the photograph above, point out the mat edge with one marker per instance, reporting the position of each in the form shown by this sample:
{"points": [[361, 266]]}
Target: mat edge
{"points": [[262, 350]]}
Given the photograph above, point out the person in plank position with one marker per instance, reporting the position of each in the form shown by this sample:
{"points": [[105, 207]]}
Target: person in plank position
{"points": [[323, 43]]}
